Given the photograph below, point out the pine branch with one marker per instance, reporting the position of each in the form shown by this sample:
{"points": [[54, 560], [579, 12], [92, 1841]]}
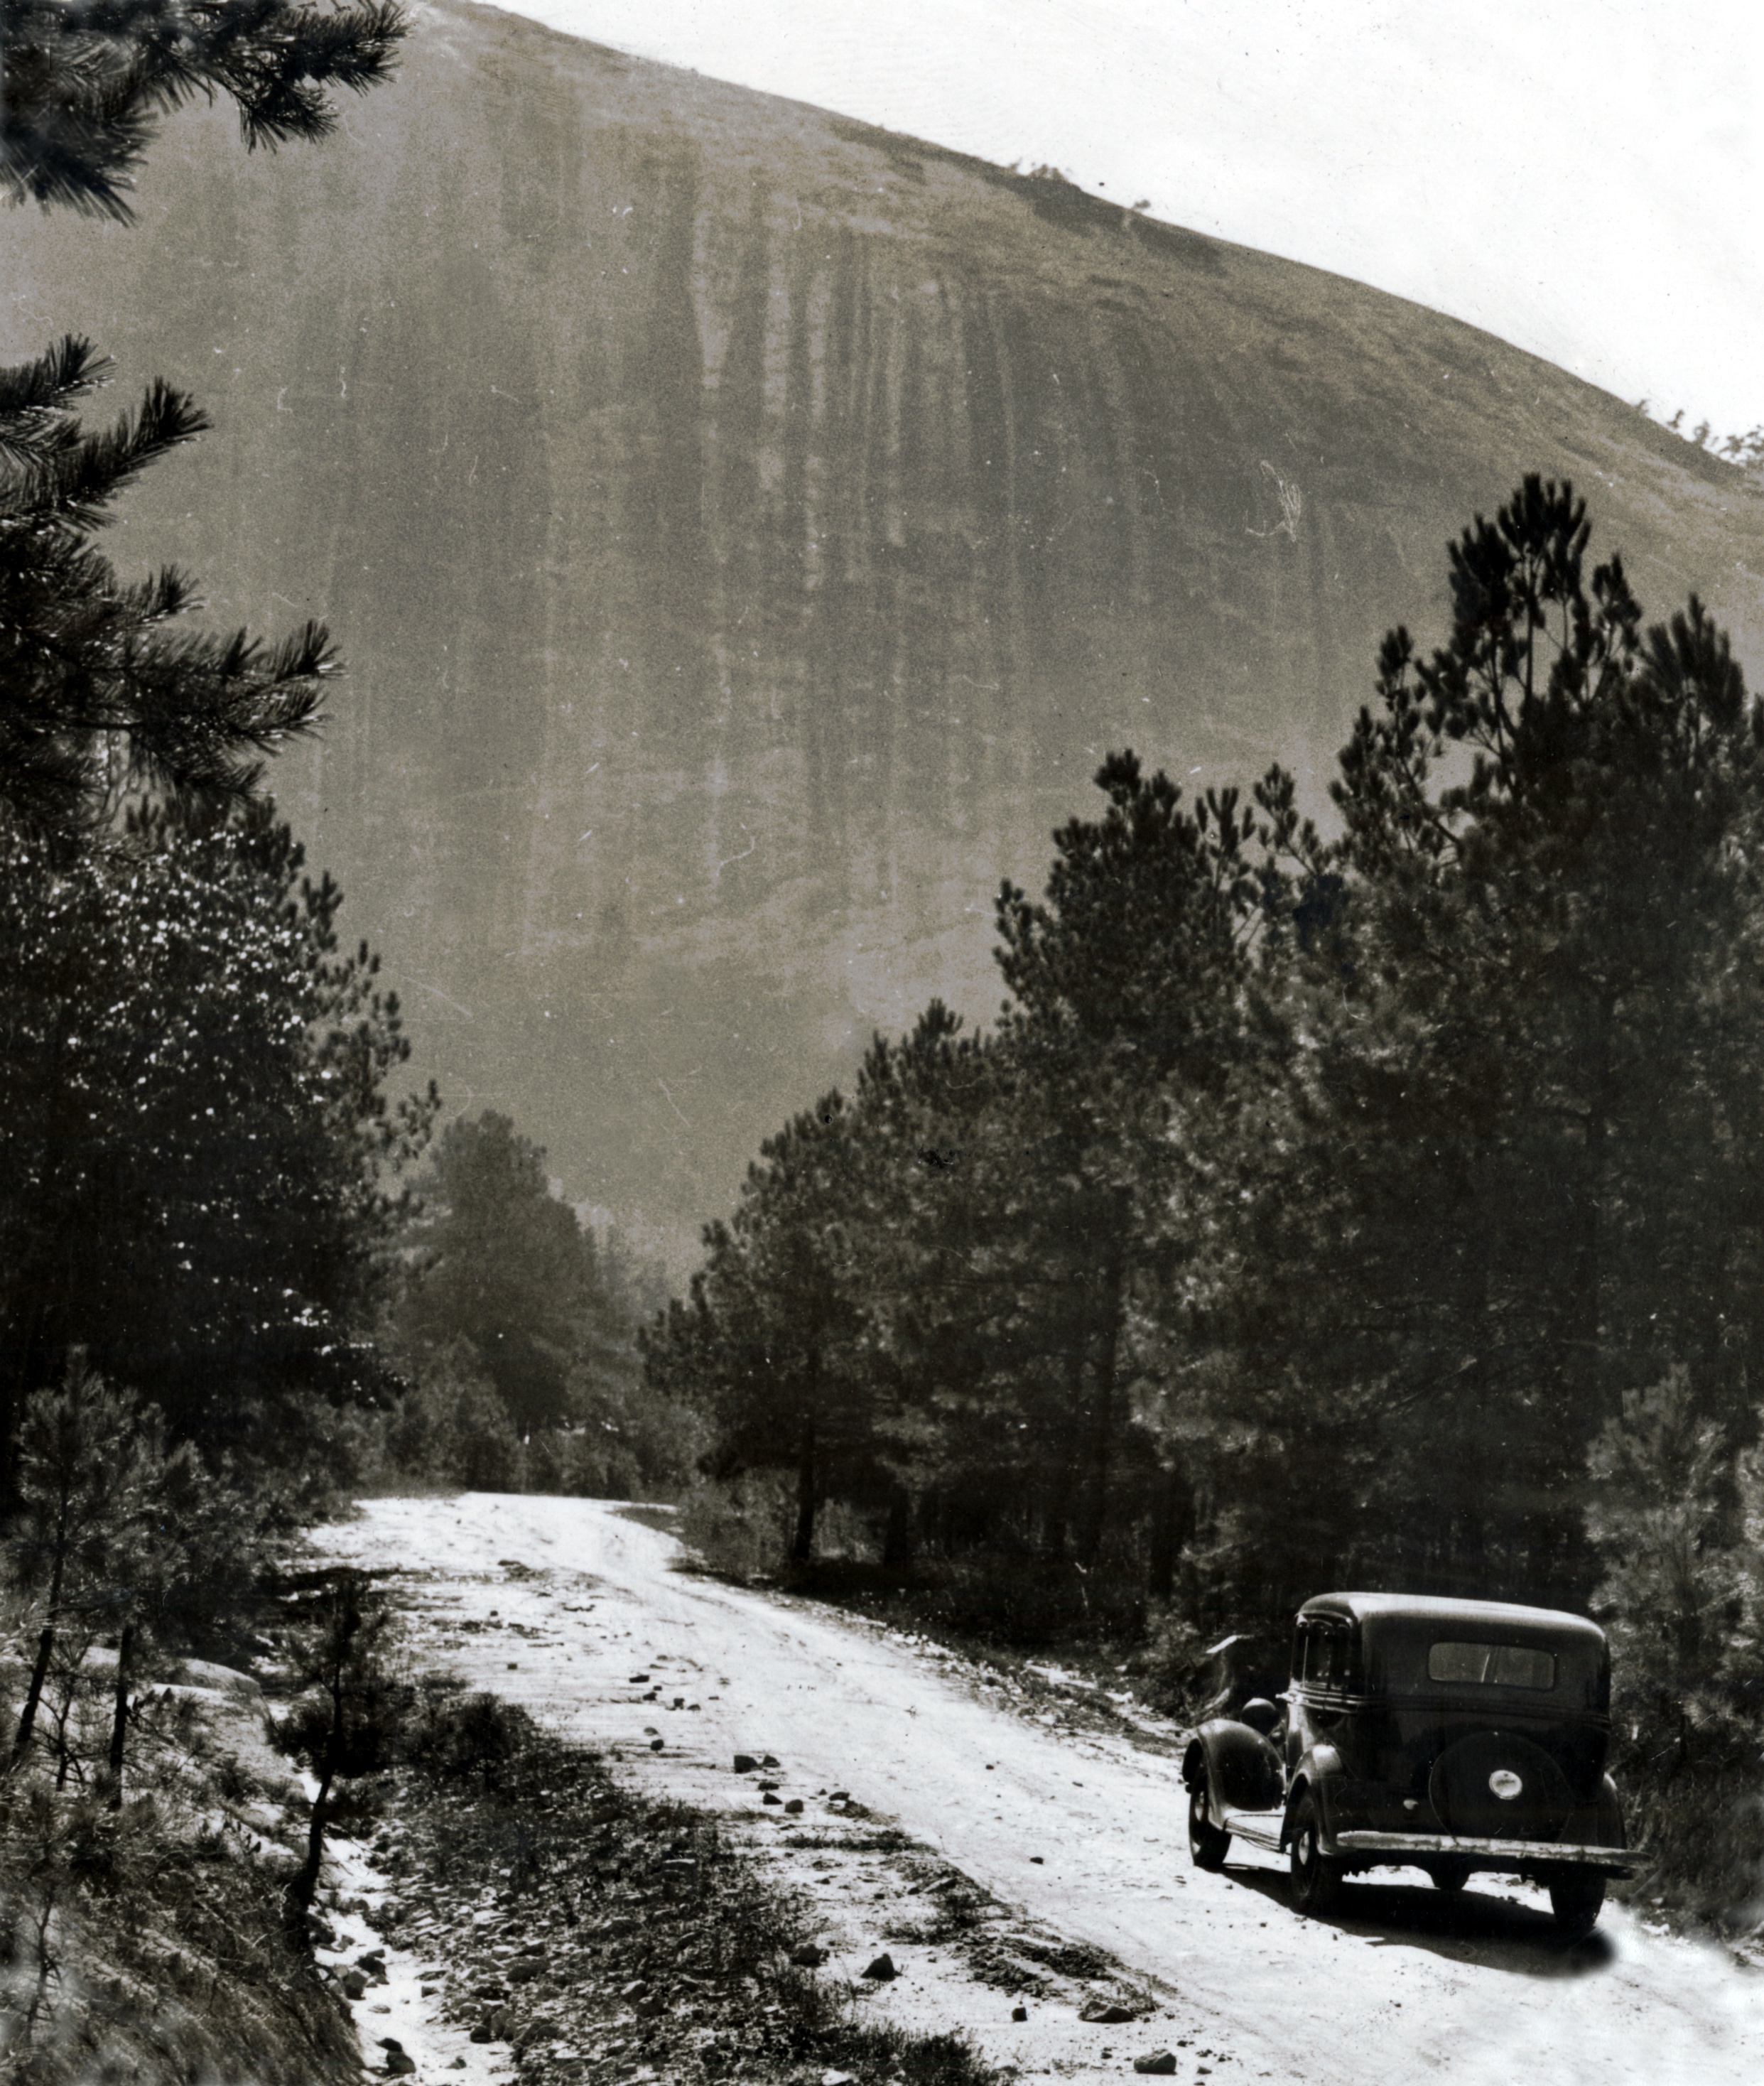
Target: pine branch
{"points": [[191, 703], [35, 397], [87, 662], [84, 85], [76, 477]]}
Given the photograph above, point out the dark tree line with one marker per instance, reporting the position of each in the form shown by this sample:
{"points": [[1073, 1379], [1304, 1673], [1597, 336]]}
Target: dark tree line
{"points": [[514, 1327], [199, 1160], [1315, 1205]]}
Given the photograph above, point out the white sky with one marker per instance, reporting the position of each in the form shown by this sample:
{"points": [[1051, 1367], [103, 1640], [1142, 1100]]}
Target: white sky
{"points": [[1583, 177]]}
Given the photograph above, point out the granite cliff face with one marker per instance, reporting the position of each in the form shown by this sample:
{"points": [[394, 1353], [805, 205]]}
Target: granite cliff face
{"points": [[746, 530]]}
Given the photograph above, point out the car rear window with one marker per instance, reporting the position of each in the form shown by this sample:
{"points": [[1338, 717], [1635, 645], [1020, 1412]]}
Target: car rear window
{"points": [[1491, 1665]]}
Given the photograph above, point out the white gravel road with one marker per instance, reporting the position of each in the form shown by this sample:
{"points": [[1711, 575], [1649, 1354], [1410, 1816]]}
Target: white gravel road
{"points": [[1402, 1985]]}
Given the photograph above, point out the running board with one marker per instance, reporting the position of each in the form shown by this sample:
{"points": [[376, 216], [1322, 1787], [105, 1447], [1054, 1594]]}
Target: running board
{"points": [[1261, 1828]]}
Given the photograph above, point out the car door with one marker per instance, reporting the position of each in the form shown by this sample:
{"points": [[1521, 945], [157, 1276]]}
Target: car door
{"points": [[1297, 1707], [1320, 1699]]}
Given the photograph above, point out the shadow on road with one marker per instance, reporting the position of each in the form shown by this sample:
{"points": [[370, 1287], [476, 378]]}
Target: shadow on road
{"points": [[1471, 1927]]}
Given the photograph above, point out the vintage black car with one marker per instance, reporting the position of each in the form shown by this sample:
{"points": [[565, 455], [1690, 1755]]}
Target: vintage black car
{"points": [[1447, 1735]]}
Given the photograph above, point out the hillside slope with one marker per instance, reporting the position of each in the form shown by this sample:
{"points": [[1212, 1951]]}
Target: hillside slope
{"points": [[744, 530]]}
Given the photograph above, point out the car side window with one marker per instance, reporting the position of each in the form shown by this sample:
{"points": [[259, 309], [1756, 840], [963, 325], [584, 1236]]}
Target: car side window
{"points": [[1329, 1656], [1492, 1665], [1318, 1656]]}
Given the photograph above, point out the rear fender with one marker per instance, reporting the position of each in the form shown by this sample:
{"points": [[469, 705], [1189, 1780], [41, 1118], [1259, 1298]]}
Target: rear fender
{"points": [[1241, 1769], [1318, 1769], [1599, 1823]]}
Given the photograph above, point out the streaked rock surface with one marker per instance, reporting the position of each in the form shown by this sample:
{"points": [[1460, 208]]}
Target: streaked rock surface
{"points": [[745, 531]]}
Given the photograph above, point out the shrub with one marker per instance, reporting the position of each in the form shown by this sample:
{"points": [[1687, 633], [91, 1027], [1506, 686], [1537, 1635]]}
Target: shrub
{"points": [[1677, 1517], [741, 1527]]}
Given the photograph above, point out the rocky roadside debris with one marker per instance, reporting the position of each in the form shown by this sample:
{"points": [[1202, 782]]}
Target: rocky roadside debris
{"points": [[1032, 2000], [570, 1929], [536, 1922], [599, 1668]]}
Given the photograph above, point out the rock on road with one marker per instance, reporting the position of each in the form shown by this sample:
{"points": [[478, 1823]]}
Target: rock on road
{"points": [[1401, 1985]]}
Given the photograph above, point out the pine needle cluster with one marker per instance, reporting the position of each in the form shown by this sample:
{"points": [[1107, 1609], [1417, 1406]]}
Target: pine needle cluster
{"points": [[105, 689]]}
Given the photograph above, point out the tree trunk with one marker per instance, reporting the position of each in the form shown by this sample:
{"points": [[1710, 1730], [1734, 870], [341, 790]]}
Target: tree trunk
{"points": [[1172, 1523], [1053, 1530], [1099, 1447], [897, 1542], [802, 1547], [1478, 1478], [303, 1887], [1065, 1453], [33, 1694], [119, 1722], [1590, 1270], [1585, 1371]]}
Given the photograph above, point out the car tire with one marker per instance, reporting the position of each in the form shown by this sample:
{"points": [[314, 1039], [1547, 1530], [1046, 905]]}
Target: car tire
{"points": [[1451, 1876], [1575, 1901], [1316, 1877], [1207, 1842]]}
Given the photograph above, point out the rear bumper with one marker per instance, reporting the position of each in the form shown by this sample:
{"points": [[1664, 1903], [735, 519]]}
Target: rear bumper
{"points": [[1489, 1854]]}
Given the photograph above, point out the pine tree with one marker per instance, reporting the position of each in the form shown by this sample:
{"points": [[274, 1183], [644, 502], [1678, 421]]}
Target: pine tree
{"points": [[91, 1545], [775, 1336], [1526, 1180], [198, 1157], [953, 1392], [344, 1723], [1129, 1023], [500, 1265]]}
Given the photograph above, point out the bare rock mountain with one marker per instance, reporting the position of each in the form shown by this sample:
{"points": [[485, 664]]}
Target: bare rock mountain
{"points": [[745, 531]]}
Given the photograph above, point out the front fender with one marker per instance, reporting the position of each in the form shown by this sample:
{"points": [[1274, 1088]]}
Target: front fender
{"points": [[1240, 1767]]}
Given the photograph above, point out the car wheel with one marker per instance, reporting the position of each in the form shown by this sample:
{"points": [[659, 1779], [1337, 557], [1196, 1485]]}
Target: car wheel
{"points": [[1316, 1877], [1575, 1901], [1451, 1876], [1207, 1842]]}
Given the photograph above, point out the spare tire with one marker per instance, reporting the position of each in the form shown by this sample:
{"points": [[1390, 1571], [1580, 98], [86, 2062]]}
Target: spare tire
{"points": [[1497, 1786]]}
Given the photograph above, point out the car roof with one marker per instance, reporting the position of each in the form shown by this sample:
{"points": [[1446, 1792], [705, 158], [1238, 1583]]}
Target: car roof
{"points": [[1439, 1609]]}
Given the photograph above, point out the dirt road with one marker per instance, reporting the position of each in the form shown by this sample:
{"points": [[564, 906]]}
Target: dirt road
{"points": [[1085, 1832]]}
